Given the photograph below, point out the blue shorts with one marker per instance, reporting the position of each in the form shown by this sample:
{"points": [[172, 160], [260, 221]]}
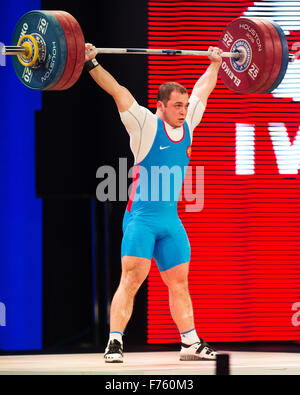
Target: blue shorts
{"points": [[163, 239]]}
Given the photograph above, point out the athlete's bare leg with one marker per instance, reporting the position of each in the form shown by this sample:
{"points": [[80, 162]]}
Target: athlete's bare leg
{"points": [[179, 296], [134, 272]]}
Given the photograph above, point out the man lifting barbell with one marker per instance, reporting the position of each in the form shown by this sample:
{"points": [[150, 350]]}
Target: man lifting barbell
{"points": [[253, 54], [153, 228]]}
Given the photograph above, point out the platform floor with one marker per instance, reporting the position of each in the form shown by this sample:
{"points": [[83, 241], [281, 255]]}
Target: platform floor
{"points": [[150, 363]]}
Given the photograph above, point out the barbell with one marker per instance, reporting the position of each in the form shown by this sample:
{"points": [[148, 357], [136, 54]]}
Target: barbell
{"points": [[49, 49]]}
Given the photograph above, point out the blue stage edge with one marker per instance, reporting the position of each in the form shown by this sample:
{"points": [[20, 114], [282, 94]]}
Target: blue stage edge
{"points": [[20, 210]]}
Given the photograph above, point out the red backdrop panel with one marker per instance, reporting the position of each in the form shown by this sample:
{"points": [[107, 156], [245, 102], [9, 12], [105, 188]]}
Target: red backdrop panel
{"points": [[245, 267]]}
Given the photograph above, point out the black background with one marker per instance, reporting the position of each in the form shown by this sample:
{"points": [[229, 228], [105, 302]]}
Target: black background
{"points": [[78, 131]]}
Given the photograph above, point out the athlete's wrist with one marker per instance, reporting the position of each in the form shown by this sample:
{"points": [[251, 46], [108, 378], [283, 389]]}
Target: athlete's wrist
{"points": [[91, 64]]}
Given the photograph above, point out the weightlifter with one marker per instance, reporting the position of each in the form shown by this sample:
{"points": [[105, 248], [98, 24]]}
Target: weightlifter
{"points": [[153, 228]]}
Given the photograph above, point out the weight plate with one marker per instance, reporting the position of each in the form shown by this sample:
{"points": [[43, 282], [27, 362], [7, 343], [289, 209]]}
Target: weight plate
{"points": [[268, 33], [72, 50], [277, 58], [253, 40], [80, 44], [284, 57], [50, 36]]}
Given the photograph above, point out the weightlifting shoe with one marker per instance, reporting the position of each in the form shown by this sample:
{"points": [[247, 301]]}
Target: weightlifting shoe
{"points": [[114, 352], [199, 351]]}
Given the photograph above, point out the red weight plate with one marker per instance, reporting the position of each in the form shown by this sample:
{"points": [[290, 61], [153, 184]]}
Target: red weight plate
{"points": [[72, 51], [284, 54], [80, 45], [276, 60], [253, 40]]}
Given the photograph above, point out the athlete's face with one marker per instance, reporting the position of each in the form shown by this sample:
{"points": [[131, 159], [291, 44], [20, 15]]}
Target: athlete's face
{"points": [[175, 111]]}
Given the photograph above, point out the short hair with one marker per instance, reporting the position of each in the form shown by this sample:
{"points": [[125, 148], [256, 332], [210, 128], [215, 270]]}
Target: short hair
{"points": [[165, 90]]}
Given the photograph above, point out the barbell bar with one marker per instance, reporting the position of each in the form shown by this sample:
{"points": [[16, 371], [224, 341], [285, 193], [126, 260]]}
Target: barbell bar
{"points": [[52, 55], [14, 50], [17, 50]]}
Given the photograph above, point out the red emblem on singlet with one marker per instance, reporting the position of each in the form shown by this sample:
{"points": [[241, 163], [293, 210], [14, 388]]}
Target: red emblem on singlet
{"points": [[189, 151]]}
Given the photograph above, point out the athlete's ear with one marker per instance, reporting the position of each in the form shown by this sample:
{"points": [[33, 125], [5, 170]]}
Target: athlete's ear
{"points": [[160, 105]]}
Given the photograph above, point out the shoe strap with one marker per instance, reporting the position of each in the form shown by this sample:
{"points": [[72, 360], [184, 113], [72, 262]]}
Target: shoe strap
{"points": [[205, 345]]}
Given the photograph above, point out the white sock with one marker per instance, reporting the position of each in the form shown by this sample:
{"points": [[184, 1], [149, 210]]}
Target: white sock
{"points": [[189, 337], [116, 335]]}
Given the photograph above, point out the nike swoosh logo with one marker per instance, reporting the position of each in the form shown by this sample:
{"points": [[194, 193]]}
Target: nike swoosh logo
{"points": [[164, 147]]}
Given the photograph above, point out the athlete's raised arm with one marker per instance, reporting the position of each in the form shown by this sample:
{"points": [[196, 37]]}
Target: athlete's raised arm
{"points": [[207, 82], [106, 81]]}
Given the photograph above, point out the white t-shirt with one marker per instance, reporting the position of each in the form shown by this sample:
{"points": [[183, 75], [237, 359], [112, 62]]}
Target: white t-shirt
{"points": [[141, 125]]}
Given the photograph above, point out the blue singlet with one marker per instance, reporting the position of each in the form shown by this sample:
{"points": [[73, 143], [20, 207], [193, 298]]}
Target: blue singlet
{"points": [[151, 226]]}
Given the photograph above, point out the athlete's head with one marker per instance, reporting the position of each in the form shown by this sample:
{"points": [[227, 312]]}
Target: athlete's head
{"points": [[172, 103]]}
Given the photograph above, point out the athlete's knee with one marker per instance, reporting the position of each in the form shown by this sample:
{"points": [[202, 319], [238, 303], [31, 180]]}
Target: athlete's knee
{"points": [[134, 273], [130, 283], [178, 286], [177, 277]]}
